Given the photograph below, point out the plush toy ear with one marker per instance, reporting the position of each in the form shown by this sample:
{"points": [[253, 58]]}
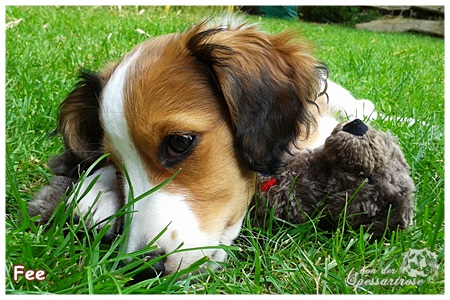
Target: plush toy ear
{"points": [[78, 120], [268, 83]]}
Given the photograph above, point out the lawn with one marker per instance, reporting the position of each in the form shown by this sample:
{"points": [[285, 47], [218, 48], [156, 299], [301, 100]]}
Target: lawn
{"points": [[403, 74]]}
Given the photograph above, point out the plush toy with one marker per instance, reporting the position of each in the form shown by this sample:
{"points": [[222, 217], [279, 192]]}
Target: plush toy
{"points": [[359, 173]]}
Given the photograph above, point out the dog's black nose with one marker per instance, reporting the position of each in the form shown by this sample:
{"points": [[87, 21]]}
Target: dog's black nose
{"points": [[356, 127], [153, 270]]}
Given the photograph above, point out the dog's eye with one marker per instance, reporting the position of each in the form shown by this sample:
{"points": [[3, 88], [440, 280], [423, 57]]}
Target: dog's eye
{"points": [[175, 148], [178, 144]]}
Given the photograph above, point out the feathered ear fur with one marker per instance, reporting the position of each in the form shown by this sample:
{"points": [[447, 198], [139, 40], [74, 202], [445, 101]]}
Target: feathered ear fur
{"points": [[268, 82], [79, 123]]}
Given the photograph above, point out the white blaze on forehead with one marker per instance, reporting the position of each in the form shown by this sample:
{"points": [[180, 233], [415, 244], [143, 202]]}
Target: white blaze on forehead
{"points": [[116, 128], [160, 209]]}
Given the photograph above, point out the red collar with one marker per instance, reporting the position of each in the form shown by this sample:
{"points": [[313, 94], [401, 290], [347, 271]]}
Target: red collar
{"points": [[266, 185]]}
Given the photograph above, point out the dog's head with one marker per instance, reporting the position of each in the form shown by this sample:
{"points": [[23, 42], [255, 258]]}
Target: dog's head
{"points": [[218, 102]]}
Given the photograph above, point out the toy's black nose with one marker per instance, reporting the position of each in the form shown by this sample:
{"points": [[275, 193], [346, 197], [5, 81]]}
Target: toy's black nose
{"points": [[153, 270], [356, 127]]}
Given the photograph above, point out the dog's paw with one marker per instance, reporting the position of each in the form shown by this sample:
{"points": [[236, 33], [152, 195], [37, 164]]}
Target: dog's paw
{"points": [[97, 197]]}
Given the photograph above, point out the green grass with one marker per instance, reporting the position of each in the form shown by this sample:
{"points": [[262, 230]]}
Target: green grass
{"points": [[403, 74]]}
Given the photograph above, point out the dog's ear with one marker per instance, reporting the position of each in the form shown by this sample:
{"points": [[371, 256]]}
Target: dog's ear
{"points": [[268, 82], [78, 120]]}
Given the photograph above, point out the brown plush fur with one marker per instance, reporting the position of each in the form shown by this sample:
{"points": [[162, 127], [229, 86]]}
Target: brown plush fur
{"points": [[359, 171]]}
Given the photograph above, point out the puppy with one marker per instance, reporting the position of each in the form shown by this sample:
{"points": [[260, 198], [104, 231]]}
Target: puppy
{"points": [[217, 104]]}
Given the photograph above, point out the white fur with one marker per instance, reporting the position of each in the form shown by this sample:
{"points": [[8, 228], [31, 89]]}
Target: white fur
{"points": [[161, 210], [325, 125], [105, 189], [229, 21], [347, 107]]}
